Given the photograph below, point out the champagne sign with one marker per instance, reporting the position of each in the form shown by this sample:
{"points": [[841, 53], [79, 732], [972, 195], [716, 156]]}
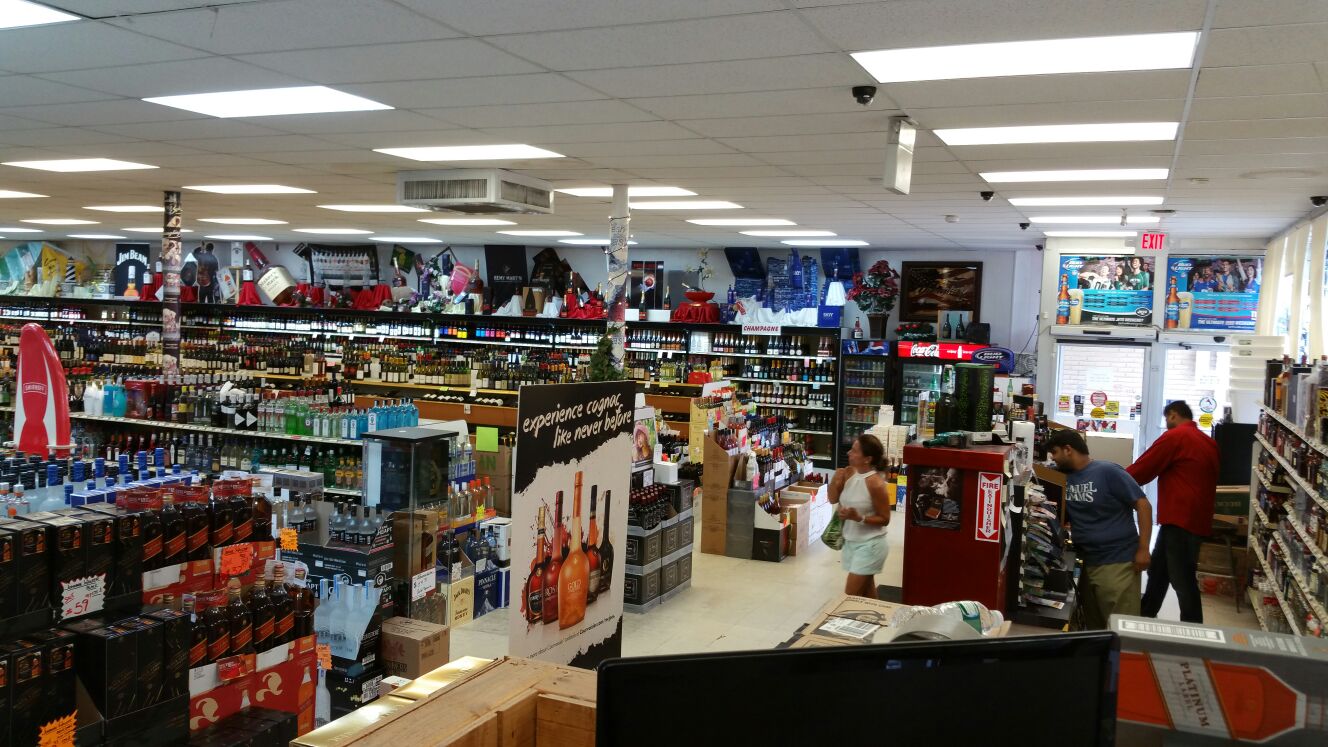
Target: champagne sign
{"points": [[569, 521]]}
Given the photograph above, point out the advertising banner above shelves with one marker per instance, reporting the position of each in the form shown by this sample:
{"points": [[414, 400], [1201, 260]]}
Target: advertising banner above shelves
{"points": [[1213, 293], [1113, 290]]}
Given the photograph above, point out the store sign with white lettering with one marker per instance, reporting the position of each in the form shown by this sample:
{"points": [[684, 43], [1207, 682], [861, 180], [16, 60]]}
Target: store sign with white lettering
{"points": [[767, 330], [989, 501]]}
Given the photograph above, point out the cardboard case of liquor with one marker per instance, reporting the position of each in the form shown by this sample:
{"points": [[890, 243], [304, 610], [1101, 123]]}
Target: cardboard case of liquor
{"points": [[1203, 684], [411, 648], [287, 686]]}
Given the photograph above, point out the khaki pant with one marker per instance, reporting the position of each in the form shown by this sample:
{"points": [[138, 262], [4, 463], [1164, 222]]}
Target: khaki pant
{"points": [[1111, 589]]}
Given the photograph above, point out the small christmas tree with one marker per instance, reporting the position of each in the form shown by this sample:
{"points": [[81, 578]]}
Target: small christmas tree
{"points": [[601, 361]]}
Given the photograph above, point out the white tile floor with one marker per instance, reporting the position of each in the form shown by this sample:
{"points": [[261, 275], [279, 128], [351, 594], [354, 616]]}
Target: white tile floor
{"points": [[748, 604]]}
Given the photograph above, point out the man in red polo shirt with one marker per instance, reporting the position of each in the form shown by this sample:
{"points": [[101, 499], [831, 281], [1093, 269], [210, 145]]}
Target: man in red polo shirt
{"points": [[1184, 463]]}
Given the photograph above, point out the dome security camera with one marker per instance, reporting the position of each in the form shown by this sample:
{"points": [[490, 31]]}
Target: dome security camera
{"points": [[1024, 226], [864, 94], [1319, 200], [986, 196]]}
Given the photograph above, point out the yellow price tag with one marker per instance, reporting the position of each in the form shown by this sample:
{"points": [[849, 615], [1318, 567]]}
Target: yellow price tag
{"points": [[324, 656], [290, 539], [58, 733]]}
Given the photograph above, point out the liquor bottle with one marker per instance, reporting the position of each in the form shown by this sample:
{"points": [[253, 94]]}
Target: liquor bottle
{"points": [[241, 620], [223, 527], [560, 534], [945, 328], [606, 551], [264, 617], [173, 540], [283, 607], [960, 329], [218, 628], [534, 591], [591, 549], [261, 510], [242, 519], [198, 634], [1063, 301], [196, 526], [857, 329], [1172, 308], [275, 280], [552, 566], [574, 576], [151, 527]]}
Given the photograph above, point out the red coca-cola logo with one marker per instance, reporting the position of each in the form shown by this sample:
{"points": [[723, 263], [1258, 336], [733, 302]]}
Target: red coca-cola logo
{"points": [[925, 351]]}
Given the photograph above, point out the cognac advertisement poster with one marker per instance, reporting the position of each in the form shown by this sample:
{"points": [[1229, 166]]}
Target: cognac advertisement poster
{"points": [[569, 521]]}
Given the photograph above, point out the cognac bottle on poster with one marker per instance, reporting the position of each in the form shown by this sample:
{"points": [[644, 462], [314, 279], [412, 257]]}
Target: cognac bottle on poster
{"points": [[535, 581], [552, 566], [591, 549], [574, 576], [606, 551]]}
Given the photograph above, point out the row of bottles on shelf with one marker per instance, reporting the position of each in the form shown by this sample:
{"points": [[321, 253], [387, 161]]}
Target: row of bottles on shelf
{"points": [[857, 376], [227, 622], [1308, 462], [488, 368], [1283, 579], [862, 414], [655, 339], [786, 370], [648, 505], [738, 344], [1270, 610], [1293, 390], [795, 395], [650, 367], [571, 568]]}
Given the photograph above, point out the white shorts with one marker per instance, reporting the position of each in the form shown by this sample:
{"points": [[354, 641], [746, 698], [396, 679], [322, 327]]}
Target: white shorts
{"points": [[865, 557]]}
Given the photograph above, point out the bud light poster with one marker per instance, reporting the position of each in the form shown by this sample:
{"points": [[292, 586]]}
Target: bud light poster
{"points": [[1212, 293], [569, 521], [1105, 290]]}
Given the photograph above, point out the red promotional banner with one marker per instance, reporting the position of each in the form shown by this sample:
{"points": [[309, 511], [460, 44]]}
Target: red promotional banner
{"points": [[946, 351]]}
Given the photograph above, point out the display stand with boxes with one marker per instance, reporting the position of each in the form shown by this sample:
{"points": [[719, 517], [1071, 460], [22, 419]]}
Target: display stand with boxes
{"points": [[658, 556]]}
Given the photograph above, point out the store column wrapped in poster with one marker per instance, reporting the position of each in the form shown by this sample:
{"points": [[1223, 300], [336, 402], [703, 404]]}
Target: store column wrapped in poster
{"points": [[569, 513], [1105, 290], [1213, 293]]}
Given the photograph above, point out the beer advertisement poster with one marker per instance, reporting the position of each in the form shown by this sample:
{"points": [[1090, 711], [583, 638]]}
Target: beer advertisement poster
{"points": [[1212, 293], [131, 269], [1109, 290], [574, 452]]}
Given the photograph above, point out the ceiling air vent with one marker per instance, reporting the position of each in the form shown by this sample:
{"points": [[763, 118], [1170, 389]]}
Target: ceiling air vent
{"points": [[476, 191]]}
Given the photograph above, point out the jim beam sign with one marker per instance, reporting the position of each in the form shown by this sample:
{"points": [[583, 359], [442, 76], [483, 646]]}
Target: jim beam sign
{"points": [[989, 507]]}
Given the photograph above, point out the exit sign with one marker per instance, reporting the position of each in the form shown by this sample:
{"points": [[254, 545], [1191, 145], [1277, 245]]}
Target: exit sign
{"points": [[1152, 241]]}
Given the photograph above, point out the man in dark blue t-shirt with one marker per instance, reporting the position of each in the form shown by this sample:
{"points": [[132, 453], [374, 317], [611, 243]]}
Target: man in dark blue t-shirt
{"points": [[1100, 498]]}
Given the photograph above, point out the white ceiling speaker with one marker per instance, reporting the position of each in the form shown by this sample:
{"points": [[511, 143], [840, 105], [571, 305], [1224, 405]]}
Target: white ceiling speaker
{"points": [[475, 192]]}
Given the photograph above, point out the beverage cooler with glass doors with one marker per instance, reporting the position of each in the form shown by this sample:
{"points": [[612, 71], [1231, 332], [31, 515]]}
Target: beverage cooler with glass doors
{"points": [[920, 370], [865, 375]]}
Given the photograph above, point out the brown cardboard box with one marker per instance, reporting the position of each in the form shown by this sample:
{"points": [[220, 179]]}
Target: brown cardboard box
{"points": [[415, 541], [712, 538], [460, 601], [1213, 558], [409, 648], [799, 526]]}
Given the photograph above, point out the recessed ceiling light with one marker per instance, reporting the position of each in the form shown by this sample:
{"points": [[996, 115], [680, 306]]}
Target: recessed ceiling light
{"points": [[1095, 54], [374, 208], [71, 165], [94, 236], [125, 208], [1084, 201], [506, 152], [404, 240], [825, 242], [12, 229], [788, 234], [1088, 234], [158, 229], [244, 221], [589, 242], [9, 194], [631, 192], [251, 189], [468, 221], [238, 237], [19, 13], [1073, 133], [265, 102], [686, 205], [334, 231], [60, 221], [1076, 175], [550, 234], [741, 222], [1142, 220]]}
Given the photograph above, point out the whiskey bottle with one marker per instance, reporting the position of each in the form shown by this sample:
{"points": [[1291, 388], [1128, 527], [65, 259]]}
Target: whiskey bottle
{"points": [[218, 626], [173, 541], [283, 608], [264, 617], [198, 635], [574, 576], [605, 552], [241, 620]]}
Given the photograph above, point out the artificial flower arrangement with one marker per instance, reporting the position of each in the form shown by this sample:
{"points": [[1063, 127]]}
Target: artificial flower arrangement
{"points": [[875, 290]]}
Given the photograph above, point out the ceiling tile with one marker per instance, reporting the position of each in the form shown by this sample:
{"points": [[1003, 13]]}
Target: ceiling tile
{"points": [[1085, 112], [690, 147], [516, 16], [109, 8], [676, 42], [571, 112], [1253, 80], [805, 124], [393, 120], [1307, 127], [271, 143], [1268, 12], [498, 90], [833, 100], [1041, 89], [581, 133], [89, 114], [869, 142], [25, 90], [1267, 45], [188, 129], [1259, 107], [802, 71], [288, 24], [447, 58], [57, 136], [84, 44]]}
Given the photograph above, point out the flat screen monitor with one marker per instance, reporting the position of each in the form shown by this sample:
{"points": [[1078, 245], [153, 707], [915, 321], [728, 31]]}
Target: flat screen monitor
{"points": [[1027, 690]]}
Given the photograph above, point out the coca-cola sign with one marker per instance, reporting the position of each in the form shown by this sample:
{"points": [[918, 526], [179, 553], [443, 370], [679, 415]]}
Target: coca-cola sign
{"points": [[949, 351]]}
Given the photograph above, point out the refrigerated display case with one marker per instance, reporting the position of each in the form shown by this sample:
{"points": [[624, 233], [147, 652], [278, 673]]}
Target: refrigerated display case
{"points": [[865, 373], [920, 370]]}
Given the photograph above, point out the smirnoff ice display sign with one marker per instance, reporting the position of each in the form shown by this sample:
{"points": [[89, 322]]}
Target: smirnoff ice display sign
{"points": [[41, 409], [569, 521]]}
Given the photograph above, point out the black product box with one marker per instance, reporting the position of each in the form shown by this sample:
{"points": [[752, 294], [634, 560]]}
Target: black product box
{"points": [[668, 577], [686, 529], [8, 573], [644, 546], [642, 584], [267, 728], [680, 495], [33, 571], [6, 677], [100, 546], [684, 568], [108, 666], [769, 544], [164, 723], [67, 539], [356, 565], [27, 691], [128, 575], [147, 634], [352, 691], [668, 543], [60, 672], [367, 656], [175, 652]]}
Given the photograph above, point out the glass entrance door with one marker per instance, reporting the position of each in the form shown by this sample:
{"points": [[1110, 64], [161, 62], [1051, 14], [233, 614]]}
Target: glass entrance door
{"points": [[1199, 375], [1102, 388]]}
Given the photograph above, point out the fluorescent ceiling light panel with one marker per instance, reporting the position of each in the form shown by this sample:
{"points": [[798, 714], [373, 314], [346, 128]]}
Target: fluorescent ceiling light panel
{"points": [[1088, 234], [125, 208], [335, 231], [549, 234], [1074, 133], [404, 240], [1076, 175], [19, 13], [244, 221], [239, 237], [374, 208], [60, 221], [12, 229], [1084, 201], [788, 234], [741, 222], [686, 205], [73, 165], [825, 242], [505, 152], [250, 189], [631, 192], [468, 221], [151, 230], [1133, 220], [266, 102], [589, 242], [94, 236], [9, 194], [1096, 54]]}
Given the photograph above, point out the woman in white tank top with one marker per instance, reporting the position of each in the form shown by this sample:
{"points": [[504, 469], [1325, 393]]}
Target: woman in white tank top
{"points": [[864, 505]]}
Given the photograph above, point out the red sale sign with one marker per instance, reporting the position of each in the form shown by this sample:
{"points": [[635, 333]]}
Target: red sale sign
{"points": [[1153, 242], [989, 505]]}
